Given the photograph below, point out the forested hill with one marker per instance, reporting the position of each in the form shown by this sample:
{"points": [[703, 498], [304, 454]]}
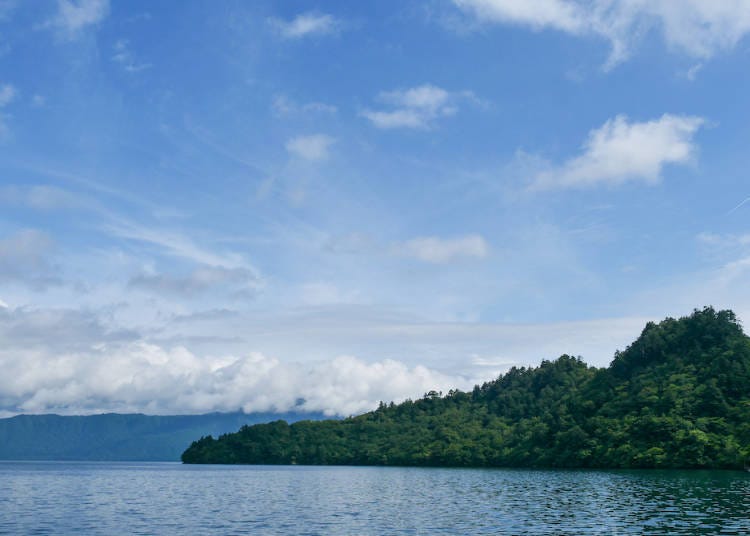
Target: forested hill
{"points": [[679, 396]]}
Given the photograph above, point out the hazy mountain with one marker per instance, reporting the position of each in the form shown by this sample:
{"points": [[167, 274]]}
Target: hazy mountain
{"points": [[113, 436]]}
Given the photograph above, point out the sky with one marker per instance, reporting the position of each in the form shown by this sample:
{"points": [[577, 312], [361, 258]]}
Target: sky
{"points": [[213, 206]]}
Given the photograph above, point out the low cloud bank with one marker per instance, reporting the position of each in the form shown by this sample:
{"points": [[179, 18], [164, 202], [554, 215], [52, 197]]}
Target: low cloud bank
{"points": [[143, 377]]}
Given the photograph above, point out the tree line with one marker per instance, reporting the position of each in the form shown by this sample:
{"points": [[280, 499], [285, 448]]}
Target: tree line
{"points": [[677, 397]]}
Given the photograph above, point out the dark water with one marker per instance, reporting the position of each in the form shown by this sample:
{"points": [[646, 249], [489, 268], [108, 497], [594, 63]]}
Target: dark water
{"points": [[163, 498]]}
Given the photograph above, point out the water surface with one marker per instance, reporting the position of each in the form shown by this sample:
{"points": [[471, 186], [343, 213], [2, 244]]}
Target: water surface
{"points": [[169, 498]]}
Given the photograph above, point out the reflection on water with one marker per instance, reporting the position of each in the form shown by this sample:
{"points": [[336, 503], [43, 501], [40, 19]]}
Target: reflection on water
{"points": [[163, 498]]}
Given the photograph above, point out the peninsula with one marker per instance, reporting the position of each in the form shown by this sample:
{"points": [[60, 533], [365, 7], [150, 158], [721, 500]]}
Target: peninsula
{"points": [[677, 397]]}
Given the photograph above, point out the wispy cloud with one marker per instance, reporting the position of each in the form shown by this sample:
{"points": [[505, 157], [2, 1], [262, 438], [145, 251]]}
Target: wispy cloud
{"points": [[418, 107], [203, 279], [442, 250], [57, 330], [306, 25], [283, 106], [8, 93], [73, 16], [41, 197], [94, 185], [694, 27], [314, 147], [176, 244], [692, 73], [724, 240], [739, 205], [124, 57], [621, 151]]}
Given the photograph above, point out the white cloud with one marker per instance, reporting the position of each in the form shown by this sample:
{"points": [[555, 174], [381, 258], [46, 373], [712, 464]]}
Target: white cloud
{"points": [[426, 97], [559, 14], [68, 361], [314, 147], [620, 151], [73, 16], [698, 28], [416, 107], [396, 119], [137, 376], [702, 28], [7, 94], [306, 25], [441, 250]]}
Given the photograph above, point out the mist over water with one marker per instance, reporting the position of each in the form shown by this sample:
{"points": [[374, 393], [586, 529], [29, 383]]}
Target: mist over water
{"points": [[169, 498]]}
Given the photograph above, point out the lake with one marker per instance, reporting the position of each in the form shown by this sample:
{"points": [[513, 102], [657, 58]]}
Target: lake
{"points": [[170, 498]]}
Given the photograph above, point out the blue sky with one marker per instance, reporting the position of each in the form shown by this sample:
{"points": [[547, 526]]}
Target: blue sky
{"points": [[220, 205]]}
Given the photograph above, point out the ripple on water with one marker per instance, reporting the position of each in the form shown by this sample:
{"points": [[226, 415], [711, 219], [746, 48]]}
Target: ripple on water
{"points": [[163, 498]]}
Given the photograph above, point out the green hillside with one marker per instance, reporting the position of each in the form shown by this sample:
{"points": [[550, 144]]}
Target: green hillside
{"points": [[679, 396]]}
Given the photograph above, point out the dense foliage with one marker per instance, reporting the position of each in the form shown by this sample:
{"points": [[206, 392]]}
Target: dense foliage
{"points": [[679, 396]]}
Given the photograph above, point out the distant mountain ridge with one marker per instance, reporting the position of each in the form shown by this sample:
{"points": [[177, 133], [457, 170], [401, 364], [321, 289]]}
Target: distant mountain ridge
{"points": [[677, 397], [119, 437]]}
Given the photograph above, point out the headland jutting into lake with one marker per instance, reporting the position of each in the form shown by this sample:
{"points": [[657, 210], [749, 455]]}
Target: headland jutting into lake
{"points": [[677, 397]]}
